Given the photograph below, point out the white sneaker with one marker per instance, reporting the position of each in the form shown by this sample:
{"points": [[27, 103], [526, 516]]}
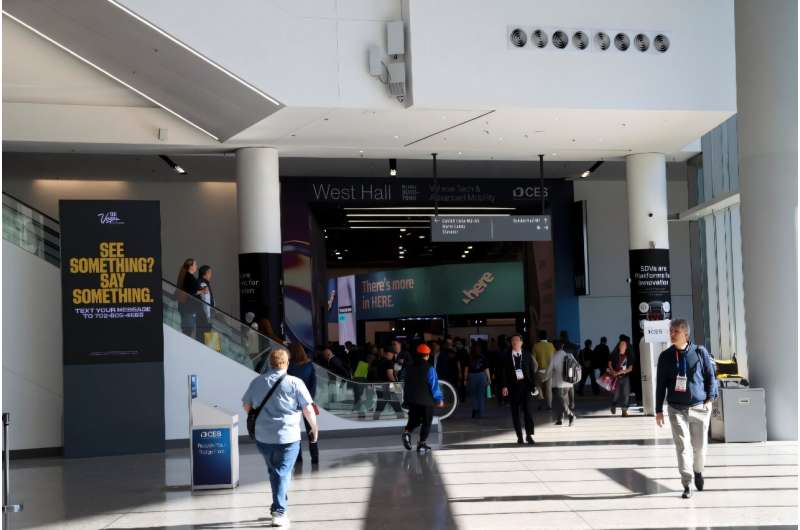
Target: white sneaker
{"points": [[280, 519]]}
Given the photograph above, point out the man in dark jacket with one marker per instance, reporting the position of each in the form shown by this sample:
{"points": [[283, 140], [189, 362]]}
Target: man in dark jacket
{"points": [[685, 376], [601, 355], [517, 370], [420, 393]]}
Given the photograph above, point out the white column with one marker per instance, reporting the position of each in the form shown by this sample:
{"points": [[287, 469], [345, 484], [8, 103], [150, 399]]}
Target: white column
{"points": [[258, 198], [766, 82], [646, 178], [258, 195]]}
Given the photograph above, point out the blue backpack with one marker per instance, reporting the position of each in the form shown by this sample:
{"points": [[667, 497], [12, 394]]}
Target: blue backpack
{"points": [[704, 354]]}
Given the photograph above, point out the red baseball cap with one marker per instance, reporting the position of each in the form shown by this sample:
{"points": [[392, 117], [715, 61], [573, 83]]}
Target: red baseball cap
{"points": [[423, 349]]}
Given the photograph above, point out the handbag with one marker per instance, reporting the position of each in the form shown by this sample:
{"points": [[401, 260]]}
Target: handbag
{"points": [[252, 416], [213, 340], [607, 382]]}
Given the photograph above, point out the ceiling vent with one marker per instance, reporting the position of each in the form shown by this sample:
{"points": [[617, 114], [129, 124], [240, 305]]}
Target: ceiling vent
{"points": [[539, 38], [642, 42], [661, 43], [622, 42], [602, 41], [518, 38], [560, 40], [580, 40]]}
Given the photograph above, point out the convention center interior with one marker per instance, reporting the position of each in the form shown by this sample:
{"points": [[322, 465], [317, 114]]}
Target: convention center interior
{"points": [[399, 264]]}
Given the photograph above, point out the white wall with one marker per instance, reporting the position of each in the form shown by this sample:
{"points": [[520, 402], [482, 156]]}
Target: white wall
{"points": [[606, 311], [461, 56], [311, 53], [33, 384], [198, 220]]}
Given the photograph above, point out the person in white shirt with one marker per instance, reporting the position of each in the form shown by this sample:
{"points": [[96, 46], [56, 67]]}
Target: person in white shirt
{"points": [[561, 389]]}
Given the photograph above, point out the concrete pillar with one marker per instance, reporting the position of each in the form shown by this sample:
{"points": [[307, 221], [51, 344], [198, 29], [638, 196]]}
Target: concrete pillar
{"points": [[258, 200], [766, 82], [646, 181]]}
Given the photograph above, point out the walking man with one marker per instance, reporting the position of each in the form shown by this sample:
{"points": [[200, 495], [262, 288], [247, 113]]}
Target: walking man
{"points": [[562, 388], [586, 358], [543, 350], [280, 399], [518, 373], [685, 376], [421, 394]]}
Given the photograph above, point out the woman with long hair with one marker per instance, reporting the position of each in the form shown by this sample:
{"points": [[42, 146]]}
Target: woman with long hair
{"points": [[188, 285], [300, 366], [477, 378], [620, 366]]}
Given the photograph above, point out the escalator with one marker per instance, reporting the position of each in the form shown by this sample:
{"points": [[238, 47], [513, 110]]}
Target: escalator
{"points": [[345, 404]]}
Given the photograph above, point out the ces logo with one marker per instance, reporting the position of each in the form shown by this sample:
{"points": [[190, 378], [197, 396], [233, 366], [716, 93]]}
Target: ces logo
{"points": [[211, 434], [530, 192]]}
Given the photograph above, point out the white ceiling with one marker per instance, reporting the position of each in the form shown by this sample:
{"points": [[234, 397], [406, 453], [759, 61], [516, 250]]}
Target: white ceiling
{"points": [[35, 71]]}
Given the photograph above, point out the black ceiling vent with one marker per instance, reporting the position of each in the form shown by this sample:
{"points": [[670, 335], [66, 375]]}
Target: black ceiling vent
{"points": [[580, 40], [661, 43], [622, 42], [560, 40], [602, 40], [642, 42], [539, 38], [518, 38]]}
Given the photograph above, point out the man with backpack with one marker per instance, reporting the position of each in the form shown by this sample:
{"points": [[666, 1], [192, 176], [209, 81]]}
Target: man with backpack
{"points": [[686, 378], [563, 372]]}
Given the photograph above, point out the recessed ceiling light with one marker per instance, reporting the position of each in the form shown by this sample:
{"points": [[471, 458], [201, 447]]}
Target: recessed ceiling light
{"points": [[402, 257], [361, 151], [459, 152], [402, 229], [422, 237], [463, 255], [396, 137], [339, 257], [466, 252], [470, 247], [400, 248], [554, 154]]}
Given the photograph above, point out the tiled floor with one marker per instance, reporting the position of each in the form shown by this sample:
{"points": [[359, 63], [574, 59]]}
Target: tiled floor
{"points": [[605, 472]]}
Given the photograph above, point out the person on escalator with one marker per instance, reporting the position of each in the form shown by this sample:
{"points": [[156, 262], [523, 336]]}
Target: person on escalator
{"points": [[421, 394], [388, 391], [301, 367], [188, 286], [204, 314]]}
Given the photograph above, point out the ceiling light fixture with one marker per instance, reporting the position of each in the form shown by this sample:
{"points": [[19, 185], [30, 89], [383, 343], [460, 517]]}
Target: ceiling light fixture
{"points": [[109, 74], [402, 230], [392, 167], [422, 237], [591, 169], [171, 163]]}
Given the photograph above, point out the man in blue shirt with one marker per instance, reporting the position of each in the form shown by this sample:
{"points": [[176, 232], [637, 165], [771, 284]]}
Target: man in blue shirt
{"points": [[421, 392], [685, 376], [278, 425]]}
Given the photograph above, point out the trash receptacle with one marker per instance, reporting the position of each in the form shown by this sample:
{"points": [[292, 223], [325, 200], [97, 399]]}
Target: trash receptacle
{"points": [[739, 415]]}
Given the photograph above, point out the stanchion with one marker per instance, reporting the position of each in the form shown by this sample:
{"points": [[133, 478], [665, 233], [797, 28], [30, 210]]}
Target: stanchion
{"points": [[7, 508]]}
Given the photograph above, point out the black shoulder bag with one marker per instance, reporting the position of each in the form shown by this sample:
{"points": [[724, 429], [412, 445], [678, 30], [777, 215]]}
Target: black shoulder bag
{"points": [[252, 416]]}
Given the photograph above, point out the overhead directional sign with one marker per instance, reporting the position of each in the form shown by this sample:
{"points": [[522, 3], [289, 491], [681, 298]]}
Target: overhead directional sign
{"points": [[490, 228]]}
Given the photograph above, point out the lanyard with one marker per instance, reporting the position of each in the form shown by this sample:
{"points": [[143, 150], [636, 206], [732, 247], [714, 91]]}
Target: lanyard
{"points": [[681, 362]]}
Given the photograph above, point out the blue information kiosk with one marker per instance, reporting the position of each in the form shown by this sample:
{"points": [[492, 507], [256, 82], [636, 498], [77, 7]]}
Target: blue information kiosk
{"points": [[214, 436]]}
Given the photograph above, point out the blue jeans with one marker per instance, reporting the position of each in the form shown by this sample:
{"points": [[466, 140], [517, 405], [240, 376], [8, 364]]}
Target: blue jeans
{"points": [[477, 391], [280, 459]]}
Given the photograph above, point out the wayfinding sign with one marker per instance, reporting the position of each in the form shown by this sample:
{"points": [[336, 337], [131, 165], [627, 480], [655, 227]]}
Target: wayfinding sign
{"points": [[470, 228]]}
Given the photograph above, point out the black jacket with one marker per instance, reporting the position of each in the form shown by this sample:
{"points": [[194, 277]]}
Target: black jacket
{"points": [[507, 371]]}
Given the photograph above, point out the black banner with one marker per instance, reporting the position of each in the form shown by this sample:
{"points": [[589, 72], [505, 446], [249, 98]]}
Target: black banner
{"points": [[650, 288], [259, 287], [111, 281], [113, 327]]}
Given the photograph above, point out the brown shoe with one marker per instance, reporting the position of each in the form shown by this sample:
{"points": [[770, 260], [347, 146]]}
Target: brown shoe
{"points": [[624, 413]]}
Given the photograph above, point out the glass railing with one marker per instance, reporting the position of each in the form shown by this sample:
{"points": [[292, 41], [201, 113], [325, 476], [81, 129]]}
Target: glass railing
{"points": [[361, 400], [39, 234], [31, 230]]}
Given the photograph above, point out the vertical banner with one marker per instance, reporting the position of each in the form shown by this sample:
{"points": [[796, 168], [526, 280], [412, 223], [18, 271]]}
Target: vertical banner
{"points": [[112, 327], [259, 287], [650, 289], [346, 293]]}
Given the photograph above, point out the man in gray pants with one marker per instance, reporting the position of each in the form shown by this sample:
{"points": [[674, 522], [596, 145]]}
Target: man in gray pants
{"points": [[685, 376]]}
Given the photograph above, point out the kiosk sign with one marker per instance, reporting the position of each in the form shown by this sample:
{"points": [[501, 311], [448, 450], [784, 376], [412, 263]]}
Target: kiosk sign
{"points": [[211, 457]]}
